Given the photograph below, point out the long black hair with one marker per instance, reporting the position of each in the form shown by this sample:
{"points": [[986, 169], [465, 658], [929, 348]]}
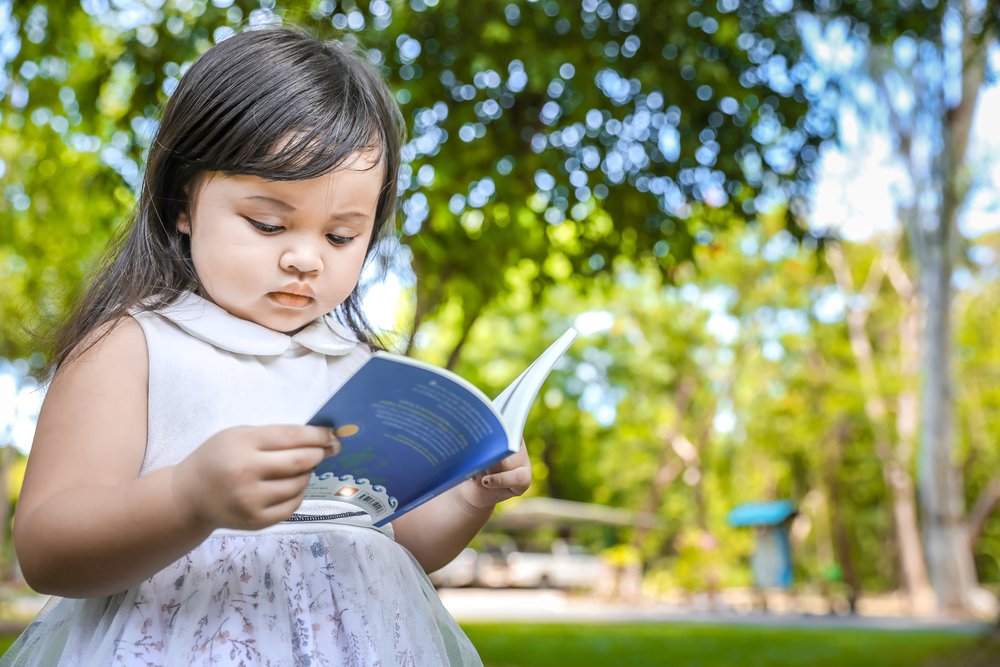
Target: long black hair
{"points": [[274, 103]]}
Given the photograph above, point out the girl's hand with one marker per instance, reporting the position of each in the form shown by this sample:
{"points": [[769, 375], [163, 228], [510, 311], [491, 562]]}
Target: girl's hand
{"points": [[511, 477], [250, 477]]}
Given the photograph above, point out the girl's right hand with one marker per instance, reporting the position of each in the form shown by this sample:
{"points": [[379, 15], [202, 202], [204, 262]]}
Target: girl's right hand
{"points": [[250, 477]]}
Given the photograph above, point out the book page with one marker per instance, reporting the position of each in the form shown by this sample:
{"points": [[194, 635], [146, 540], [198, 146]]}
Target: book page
{"points": [[514, 403], [405, 428], [409, 431]]}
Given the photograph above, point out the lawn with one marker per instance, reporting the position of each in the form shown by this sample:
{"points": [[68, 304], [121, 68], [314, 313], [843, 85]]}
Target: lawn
{"points": [[607, 645], [537, 645]]}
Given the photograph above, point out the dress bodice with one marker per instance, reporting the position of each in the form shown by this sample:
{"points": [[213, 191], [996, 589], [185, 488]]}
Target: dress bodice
{"points": [[210, 370]]}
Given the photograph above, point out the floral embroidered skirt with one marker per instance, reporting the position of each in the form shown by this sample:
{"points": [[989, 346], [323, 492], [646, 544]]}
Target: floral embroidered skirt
{"points": [[294, 595]]}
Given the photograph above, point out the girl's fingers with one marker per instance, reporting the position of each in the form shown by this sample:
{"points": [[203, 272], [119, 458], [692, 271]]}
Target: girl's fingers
{"points": [[283, 510], [292, 463], [276, 493], [512, 462], [518, 478], [287, 436]]}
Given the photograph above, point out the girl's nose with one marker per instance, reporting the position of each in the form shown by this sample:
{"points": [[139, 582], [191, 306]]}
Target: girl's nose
{"points": [[301, 258]]}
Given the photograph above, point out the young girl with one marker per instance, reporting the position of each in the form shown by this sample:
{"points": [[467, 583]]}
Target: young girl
{"points": [[163, 497]]}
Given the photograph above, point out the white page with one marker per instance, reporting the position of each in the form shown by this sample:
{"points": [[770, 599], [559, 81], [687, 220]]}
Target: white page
{"points": [[514, 403]]}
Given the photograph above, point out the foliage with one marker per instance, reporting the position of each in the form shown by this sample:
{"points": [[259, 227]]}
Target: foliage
{"points": [[978, 401], [557, 167], [921, 85], [759, 333], [545, 137]]}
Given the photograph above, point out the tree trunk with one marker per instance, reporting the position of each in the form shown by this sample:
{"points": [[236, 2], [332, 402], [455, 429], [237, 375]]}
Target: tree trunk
{"points": [[467, 322], [988, 501], [941, 489], [553, 483], [904, 511], [841, 536], [895, 457], [698, 488], [941, 486], [932, 231], [668, 466], [946, 543], [907, 427], [426, 303]]}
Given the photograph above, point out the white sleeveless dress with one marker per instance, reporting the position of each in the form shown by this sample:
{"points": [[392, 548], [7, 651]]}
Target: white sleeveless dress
{"points": [[332, 591]]}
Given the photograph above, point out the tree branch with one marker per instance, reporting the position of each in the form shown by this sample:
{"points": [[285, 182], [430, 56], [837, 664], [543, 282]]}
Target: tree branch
{"points": [[861, 346], [902, 130], [667, 467], [467, 323], [973, 73], [423, 307], [988, 500], [898, 277]]}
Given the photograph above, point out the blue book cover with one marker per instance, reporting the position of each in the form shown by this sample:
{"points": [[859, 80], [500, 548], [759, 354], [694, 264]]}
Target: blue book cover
{"points": [[410, 431]]}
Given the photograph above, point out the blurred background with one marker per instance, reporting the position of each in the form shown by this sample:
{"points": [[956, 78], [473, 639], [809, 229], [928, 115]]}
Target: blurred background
{"points": [[775, 224]]}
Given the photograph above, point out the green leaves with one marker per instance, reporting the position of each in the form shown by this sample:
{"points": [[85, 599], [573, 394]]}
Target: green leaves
{"points": [[523, 115]]}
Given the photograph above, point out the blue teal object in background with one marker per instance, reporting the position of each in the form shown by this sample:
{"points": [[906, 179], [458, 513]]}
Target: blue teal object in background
{"points": [[772, 557], [769, 513]]}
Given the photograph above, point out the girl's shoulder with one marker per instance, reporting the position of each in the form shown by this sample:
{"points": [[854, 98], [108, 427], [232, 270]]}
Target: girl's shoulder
{"points": [[118, 346]]}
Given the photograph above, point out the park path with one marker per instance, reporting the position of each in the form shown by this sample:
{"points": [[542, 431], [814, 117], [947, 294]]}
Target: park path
{"points": [[553, 606], [476, 604]]}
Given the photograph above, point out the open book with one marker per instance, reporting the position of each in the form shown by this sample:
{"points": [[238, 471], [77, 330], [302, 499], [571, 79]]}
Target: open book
{"points": [[410, 431]]}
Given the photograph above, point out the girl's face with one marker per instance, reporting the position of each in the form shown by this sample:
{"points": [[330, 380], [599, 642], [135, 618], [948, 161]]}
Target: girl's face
{"points": [[282, 253]]}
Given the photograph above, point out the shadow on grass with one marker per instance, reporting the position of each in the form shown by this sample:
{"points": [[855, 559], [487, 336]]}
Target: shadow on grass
{"points": [[983, 653]]}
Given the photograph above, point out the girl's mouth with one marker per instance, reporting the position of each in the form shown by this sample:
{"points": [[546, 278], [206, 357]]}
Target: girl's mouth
{"points": [[290, 300]]}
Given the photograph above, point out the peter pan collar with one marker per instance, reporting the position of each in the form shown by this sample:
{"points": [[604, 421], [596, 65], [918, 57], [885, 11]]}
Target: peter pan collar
{"points": [[205, 320]]}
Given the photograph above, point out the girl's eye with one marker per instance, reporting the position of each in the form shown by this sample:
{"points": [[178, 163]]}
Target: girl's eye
{"points": [[339, 240], [264, 227]]}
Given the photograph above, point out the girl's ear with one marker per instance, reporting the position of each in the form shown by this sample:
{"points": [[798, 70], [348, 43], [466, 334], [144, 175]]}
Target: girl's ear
{"points": [[183, 219]]}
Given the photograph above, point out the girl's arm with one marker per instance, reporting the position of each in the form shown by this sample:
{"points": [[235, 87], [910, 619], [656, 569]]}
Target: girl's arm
{"points": [[88, 525], [439, 529]]}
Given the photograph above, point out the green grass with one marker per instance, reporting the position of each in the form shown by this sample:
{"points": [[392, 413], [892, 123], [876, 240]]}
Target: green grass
{"points": [[682, 645]]}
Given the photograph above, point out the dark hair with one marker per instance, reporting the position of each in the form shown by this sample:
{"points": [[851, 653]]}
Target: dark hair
{"points": [[274, 103]]}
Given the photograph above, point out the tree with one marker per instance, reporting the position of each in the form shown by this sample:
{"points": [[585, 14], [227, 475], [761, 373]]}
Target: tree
{"points": [[894, 442], [978, 406], [926, 69], [796, 430], [562, 135]]}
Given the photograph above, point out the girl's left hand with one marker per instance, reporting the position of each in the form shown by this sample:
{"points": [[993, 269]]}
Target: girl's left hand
{"points": [[511, 477]]}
